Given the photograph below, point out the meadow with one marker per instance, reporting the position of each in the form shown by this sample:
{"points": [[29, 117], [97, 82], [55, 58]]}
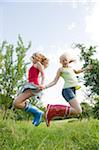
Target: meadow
{"points": [[61, 135]]}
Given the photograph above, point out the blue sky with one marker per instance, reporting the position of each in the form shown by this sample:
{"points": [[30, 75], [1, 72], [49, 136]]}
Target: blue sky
{"points": [[45, 23], [52, 26]]}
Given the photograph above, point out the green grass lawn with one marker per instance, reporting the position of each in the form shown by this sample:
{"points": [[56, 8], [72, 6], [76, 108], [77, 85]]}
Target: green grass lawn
{"points": [[62, 135]]}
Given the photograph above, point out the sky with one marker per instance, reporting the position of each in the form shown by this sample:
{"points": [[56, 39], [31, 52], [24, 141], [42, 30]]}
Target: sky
{"points": [[52, 26]]}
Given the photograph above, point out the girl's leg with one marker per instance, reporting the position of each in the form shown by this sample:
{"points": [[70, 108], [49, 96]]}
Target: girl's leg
{"points": [[20, 102], [70, 95], [37, 113], [75, 108], [56, 111], [62, 110]]}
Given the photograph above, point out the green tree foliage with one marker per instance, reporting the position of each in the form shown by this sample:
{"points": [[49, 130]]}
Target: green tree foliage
{"points": [[86, 111], [12, 70], [96, 108], [91, 77]]}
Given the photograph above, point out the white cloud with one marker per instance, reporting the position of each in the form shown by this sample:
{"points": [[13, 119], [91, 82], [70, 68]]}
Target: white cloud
{"points": [[92, 23], [71, 27]]}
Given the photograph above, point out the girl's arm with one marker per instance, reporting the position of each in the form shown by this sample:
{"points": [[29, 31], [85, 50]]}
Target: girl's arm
{"points": [[41, 69], [89, 67], [54, 81]]}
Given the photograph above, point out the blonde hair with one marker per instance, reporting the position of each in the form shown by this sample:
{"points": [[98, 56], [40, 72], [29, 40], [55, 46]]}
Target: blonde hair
{"points": [[67, 57], [41, 58]]}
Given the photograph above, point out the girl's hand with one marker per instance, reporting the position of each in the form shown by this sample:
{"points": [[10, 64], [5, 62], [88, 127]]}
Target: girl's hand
{"points": [[89, 67], [41, 87]]}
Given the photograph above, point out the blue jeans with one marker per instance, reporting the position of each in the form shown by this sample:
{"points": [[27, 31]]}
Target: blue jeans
{"points": [[69, 93]]}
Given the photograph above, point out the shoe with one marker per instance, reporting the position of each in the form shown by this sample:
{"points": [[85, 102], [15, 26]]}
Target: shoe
{"points": [[37, 113], [54, 111], [38, 118]]}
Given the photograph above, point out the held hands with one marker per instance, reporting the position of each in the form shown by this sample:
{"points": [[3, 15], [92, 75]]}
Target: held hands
{"points": [[41, 87]]}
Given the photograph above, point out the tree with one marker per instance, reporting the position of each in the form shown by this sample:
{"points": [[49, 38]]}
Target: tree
{"points": [[96, 108], [12, 71], [91, 77], [87, 111]]}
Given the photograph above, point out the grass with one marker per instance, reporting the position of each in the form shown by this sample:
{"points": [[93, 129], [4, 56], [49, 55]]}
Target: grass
{"points": [[62, 135]]}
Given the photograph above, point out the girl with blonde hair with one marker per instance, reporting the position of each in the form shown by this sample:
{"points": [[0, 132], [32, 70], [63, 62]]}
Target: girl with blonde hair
{"points": [[68, 91], [32, 87]]}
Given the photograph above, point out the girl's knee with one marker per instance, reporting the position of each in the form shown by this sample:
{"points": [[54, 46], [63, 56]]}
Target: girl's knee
{"points": [[79, 111], [15, 104]]}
